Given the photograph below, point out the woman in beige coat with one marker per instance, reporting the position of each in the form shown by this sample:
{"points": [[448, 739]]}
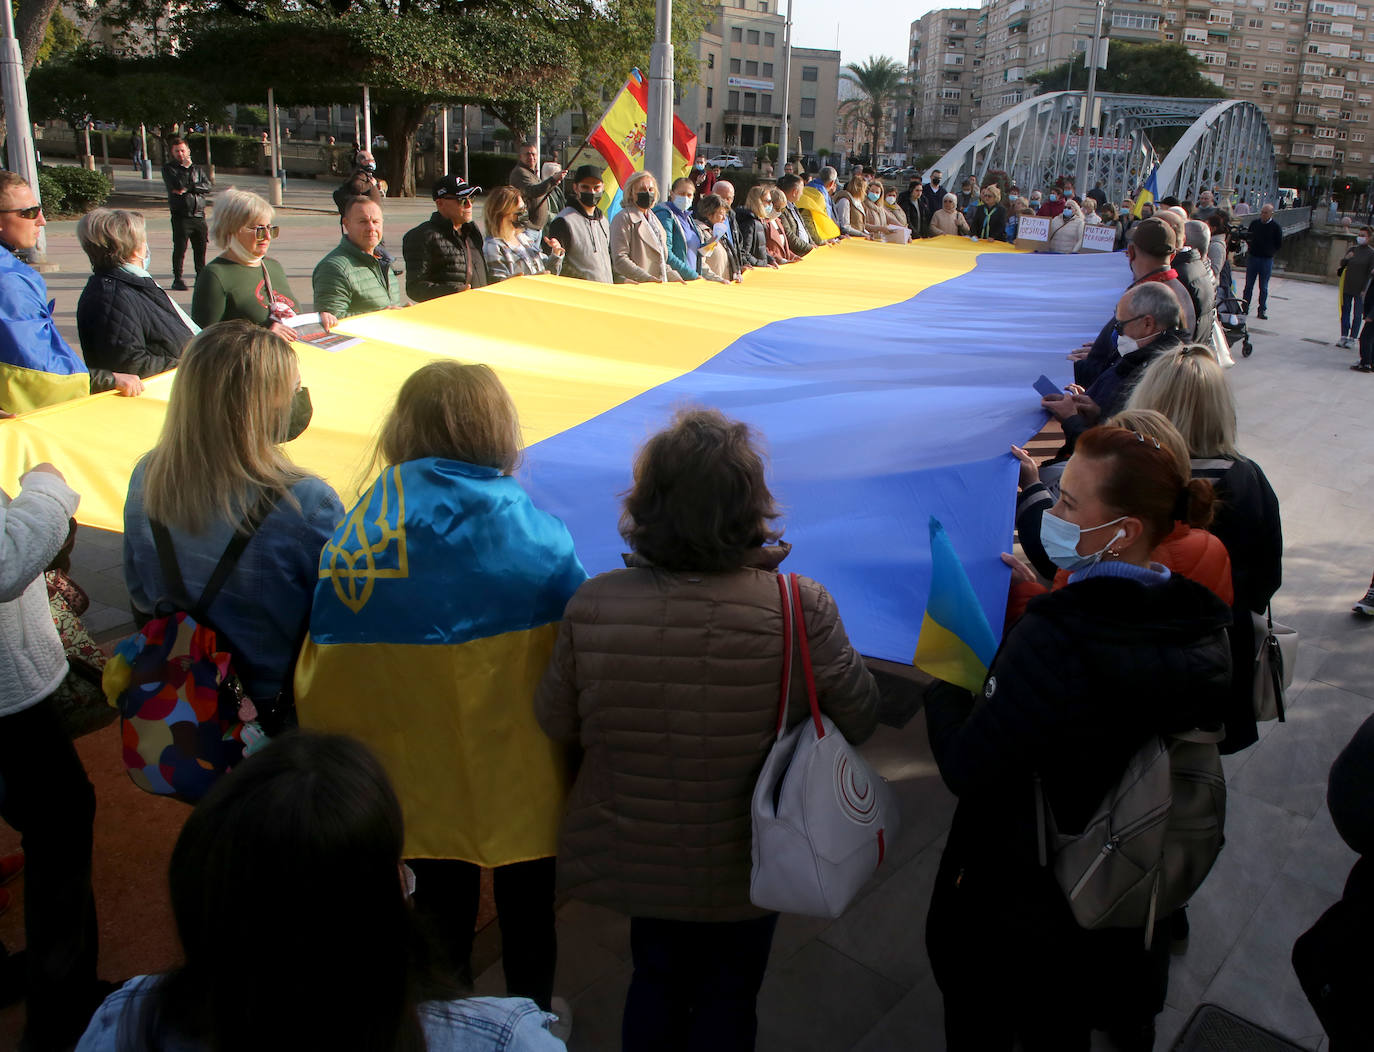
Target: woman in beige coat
{"points": [[949, 220], [883, 220], [667, 675], [639, 251]]}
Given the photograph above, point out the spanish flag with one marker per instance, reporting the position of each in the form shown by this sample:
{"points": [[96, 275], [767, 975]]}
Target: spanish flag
{"points": [[956, 643], [434, 618], [37, 368], [622, 137], [1150, 193]]}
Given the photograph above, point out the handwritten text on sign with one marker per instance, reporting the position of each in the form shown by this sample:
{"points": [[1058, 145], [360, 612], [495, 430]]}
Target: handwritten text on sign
{"points": [[1033, 228], [1099, 239]]}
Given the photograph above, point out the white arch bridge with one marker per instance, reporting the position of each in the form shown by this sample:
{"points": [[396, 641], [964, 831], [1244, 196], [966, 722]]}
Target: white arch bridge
{"points": [[1227, 144]]}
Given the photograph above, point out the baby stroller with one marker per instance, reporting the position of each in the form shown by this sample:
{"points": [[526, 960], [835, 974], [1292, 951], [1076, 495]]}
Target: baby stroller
{"points": [[1231, 312]]}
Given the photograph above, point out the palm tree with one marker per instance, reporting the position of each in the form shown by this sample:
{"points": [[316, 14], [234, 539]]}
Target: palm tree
{"points": [[882, 82]]}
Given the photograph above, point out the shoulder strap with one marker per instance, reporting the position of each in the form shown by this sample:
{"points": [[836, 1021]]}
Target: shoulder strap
{"points": [[271, 295], [804, 644], [788, 648], [171, 572]]}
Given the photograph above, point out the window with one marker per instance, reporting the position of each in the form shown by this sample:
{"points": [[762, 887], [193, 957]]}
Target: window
{"points": [[1249, 64], [1269, 87], [808, 107], [736, 34], [950, 111], [765, 103], [710, 96], [752, 37], [770, 40], [811, 73], [732, 100], [1247, 85], [710, 60], [1125, 21], [735, 66], [808, 141], [763, 5], [746, 135], [751, 102], [751, 68], [768, 70]]}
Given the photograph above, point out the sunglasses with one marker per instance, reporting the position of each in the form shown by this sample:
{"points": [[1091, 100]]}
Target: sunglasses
{"points": [[264, 233], [32, 212], [1119, 326]]}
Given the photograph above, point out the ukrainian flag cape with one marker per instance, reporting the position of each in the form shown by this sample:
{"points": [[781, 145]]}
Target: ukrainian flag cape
{"points": [[812, 200], [37, 368], [434, 617]]}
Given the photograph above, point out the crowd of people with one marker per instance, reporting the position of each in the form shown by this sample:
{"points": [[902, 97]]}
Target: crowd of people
{"points": [[638, 705]]}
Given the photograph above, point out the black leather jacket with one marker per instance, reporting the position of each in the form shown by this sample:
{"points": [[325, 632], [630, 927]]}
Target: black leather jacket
{"points": [[194, 180]]}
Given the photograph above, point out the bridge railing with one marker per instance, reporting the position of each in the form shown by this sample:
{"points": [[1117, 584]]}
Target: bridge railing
{"points": [[1294, 220]]}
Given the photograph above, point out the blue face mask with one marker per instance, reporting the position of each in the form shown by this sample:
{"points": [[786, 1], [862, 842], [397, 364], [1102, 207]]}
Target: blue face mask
{"points": [[1054, 197], [1060, 539]]}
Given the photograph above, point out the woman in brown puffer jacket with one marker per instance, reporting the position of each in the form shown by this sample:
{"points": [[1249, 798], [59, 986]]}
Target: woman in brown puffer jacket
{"points": [[667, 675]]}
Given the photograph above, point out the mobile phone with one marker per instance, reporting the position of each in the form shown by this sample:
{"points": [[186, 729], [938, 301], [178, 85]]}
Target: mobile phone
{"points": [[1046, 386]]}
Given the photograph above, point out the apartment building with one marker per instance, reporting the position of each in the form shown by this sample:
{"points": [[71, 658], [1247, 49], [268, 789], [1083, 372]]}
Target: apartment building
{"points": [[940, 71], [1307, 65], [736, 104]]}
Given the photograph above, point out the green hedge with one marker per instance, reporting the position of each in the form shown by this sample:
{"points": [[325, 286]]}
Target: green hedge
{"points": [[487, 170], [68, 190]]}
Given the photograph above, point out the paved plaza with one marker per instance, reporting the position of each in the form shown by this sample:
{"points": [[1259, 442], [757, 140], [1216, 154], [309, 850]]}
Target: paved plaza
{"points": [[863, 981]]}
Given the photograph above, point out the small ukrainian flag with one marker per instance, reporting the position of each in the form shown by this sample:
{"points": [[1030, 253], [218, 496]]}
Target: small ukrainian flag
{"points": [[956, 643], [1150, 193]]}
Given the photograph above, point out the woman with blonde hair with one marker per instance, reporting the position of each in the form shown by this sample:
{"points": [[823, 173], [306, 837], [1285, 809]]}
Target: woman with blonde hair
{"points": [[243, 282], [432, 660], [773, 203], [752, 221], [849, 207], [130, 327], [512, 248], [883, 220], [639, 245], [1190, 388], [219, 469]]}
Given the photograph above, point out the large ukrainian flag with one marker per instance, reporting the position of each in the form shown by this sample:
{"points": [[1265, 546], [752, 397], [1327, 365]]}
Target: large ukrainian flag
{"points": [[434, 617], [887, 380]]}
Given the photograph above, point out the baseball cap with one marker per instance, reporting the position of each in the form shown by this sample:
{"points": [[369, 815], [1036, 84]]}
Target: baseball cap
{"points": [[454, 186], [587, 171]]}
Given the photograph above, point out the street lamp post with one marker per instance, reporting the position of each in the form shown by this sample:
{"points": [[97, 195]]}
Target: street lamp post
{"points": [[1085, 132], [786, 85], [658, 154]]}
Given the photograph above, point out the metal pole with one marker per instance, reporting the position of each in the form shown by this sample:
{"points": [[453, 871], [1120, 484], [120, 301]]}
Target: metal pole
{"points": [[786, 88], [465, 142], [22, 158], [209, 156], [147, 168], [274, 187], [443, 139], [1086, 132], [367, 118], [538, 136], [658, 157]]}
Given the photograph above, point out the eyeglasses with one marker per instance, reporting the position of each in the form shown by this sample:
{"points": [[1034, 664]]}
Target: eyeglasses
{"points": [[31, 212], [264, 233], [1119, 326]]}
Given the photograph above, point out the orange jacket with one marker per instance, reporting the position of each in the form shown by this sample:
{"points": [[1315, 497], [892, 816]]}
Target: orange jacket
{"points": [[1196, 554]]}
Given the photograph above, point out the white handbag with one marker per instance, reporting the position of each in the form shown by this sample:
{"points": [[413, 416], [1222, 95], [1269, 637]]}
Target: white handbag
{"points": [[823, 819], [1276, 652]]}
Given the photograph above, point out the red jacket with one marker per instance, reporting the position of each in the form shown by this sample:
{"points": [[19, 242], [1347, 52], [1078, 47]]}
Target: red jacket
{"points": [[1195, 554]]}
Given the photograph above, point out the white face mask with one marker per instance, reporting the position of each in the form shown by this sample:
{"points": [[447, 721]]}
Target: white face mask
{"points": [[1361, 240], [768, 210], [683, 201], [1126, 344]]}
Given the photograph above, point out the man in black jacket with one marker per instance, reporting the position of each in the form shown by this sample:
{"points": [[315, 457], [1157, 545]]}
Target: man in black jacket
{"points": [[188, 186], [444, 254], [1264, 237]]}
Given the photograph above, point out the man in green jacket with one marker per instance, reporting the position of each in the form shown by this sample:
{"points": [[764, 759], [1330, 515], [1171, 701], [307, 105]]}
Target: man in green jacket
{"points": [[353, 279]]}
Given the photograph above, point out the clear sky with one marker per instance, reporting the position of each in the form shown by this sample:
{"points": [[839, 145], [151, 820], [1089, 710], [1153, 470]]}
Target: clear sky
{"points": [[879, 27]]}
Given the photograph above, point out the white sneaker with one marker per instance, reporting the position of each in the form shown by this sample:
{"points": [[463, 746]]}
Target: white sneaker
{"points": [[561, 1024]]}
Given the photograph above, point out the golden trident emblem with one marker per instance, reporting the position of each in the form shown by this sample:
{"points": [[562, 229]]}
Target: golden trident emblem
{"points": [[353, 569]]}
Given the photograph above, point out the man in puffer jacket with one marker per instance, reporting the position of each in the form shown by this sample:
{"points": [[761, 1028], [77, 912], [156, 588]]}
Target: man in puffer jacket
{"points": [[443, 255], [356, 278], [46, 796]]}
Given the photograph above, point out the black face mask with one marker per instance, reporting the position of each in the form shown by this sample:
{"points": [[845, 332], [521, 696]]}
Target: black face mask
{"points": [[588, 198], [301, 412], [367, 167], [644, 199]]}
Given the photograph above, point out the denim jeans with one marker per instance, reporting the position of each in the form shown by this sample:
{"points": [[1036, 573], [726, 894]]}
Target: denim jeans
{"points": [[1258, 267], [695, 984], [1352, 313]]}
